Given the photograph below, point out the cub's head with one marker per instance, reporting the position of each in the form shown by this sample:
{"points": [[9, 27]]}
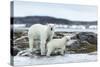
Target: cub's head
{"points": [[66, 38]]}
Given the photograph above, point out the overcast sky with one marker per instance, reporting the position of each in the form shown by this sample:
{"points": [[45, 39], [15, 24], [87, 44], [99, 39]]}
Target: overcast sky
{"points": [[66, 11]]}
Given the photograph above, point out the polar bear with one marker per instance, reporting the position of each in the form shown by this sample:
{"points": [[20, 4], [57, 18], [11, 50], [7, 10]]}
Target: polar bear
{"points": [[57, 44], [41, 32]]}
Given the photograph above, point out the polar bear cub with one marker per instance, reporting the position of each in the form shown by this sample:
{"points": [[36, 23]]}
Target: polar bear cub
{"points": [[57, 44], [41, 32]]}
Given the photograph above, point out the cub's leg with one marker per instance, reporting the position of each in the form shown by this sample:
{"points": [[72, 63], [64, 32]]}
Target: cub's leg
{"points": [[62, 51], [49, 51]]}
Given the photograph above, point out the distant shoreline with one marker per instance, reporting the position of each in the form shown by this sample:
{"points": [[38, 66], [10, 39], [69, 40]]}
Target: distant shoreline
{"points": [[29, 20]]}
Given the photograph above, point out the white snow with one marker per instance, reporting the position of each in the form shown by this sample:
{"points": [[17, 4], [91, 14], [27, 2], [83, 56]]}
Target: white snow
{"points": [[67, 58]]}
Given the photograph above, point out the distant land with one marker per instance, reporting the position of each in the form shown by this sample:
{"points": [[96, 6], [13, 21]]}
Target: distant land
{"points": [[29, 20]]}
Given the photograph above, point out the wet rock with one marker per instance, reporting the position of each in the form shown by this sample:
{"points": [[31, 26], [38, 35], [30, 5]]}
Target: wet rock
{"points": [[83, 42], [86, 36], [86, 42], [73, 44], [14, 51]]}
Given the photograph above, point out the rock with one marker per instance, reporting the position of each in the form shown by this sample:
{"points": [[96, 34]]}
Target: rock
{"points": [[86, 36], [73, 44], [83, 42], [24, 53], [27, 52], [87, 42], [93, 53], [14, 51]]}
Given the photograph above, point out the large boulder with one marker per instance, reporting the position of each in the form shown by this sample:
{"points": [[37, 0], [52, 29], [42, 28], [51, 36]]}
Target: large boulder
{"points": [[86, 36], [87, 42]]}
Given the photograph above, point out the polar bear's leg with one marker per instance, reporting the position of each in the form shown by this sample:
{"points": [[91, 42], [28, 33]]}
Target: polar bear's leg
{"points": [[42, 47], [49, 51], [31, 44], [62, 50], [42, 44]]}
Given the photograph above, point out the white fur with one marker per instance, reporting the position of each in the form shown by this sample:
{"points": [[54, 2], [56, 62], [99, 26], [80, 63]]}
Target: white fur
{"points": [[42, 32], [56, 44], [70, 42]]}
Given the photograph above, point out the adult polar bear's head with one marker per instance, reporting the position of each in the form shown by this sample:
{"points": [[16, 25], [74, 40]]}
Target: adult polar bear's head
{"points": [[50, 30]]}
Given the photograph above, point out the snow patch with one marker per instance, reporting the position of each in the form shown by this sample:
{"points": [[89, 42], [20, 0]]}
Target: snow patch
{"points": [[67, 58]]}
